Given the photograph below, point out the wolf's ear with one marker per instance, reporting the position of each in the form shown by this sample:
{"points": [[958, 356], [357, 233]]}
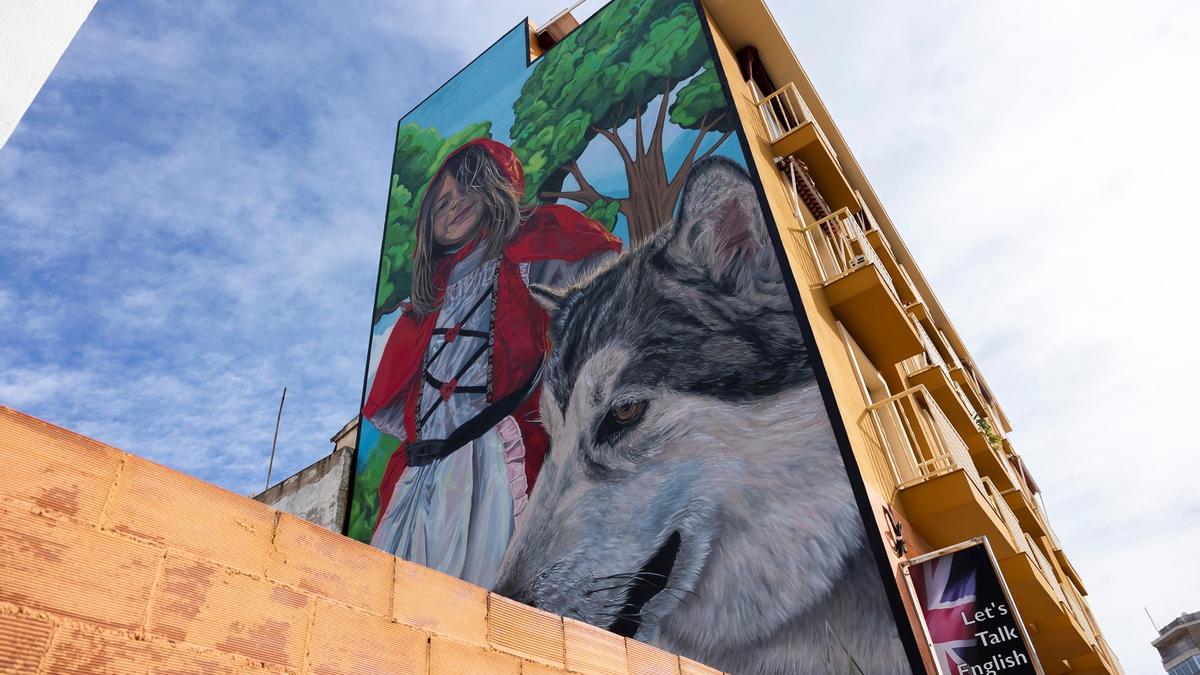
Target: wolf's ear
{"points": [[548, 297], [720, 224]]}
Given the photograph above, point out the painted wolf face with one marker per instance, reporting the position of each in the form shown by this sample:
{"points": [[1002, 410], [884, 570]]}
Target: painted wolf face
{"points": [[694, 496]]}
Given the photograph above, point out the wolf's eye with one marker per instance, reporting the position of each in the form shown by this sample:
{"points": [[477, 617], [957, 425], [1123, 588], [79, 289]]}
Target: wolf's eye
{"points": [[620, 417], [628, 412]]}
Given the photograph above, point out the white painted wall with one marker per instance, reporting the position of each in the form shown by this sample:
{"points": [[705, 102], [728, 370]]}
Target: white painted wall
{"points": [[317, 493], [33, 36]]}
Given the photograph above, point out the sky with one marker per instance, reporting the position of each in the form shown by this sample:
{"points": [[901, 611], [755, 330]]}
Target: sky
{"points": [[191, 211]]}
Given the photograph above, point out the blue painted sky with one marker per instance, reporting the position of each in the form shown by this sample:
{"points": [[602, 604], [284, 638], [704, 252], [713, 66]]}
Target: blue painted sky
{"points": [[190, 216]]}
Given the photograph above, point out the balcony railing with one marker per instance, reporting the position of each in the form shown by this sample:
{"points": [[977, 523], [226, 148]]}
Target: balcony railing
{"points": [[962, 396], [868, 215], [1111, 656], [931, 357], [954, 360], [1044, 565], [1075, 603], [919, 441], [1011, 523], [783, 111], [838, 246]]}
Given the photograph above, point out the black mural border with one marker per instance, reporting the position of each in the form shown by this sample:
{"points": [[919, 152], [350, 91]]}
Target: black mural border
{"points": [[853, 473]]}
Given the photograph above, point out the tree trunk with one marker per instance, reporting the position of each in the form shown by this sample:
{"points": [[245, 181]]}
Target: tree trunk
{"points": [[650, 198], [652, 195]]}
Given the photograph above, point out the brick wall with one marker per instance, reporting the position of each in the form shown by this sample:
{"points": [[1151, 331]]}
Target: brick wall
{"points": [[113, 564]]}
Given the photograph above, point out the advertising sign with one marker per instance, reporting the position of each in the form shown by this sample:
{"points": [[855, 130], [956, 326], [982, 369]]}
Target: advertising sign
{"points": [[587, 387], [969, 618]]}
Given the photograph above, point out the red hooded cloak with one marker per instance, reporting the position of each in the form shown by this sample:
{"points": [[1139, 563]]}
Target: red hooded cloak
{"points": [[519, 341]]}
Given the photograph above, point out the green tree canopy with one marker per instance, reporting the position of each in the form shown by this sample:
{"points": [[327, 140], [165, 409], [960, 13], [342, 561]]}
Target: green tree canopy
{"points": [[419, 152], [599, 78]]}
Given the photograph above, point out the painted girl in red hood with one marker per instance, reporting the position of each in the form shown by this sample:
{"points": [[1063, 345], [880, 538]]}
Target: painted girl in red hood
{"points": [[457, 382]]}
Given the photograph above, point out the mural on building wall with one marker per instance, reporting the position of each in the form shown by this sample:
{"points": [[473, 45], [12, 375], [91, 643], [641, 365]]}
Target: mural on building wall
{"points": [[587, 388]]}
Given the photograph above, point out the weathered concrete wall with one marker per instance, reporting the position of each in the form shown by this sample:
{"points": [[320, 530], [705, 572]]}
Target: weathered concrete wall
{"points": [[317, 493]]}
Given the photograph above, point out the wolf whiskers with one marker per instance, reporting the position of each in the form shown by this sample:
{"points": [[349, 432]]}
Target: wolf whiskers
{"points": [[635, 577]]}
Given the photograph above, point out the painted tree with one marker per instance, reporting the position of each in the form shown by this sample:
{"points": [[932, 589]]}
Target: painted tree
{"points": [[600, 77], [419, 152]]}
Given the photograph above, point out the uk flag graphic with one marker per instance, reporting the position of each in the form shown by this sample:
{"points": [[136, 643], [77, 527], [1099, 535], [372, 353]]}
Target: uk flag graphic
{"points": [[973, 628], [946, 587]]}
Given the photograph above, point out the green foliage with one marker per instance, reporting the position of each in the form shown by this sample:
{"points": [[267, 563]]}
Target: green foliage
{"points": [[419, 152], [602, 75], [365, 506], [604, 211], [989, 433], [702, 101]]}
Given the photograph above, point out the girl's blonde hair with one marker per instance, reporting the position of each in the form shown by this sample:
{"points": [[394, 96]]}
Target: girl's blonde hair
{"points": [[478, 175]]}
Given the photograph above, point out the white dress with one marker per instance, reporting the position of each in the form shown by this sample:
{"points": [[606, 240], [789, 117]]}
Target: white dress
{"points": [[456, 514]]}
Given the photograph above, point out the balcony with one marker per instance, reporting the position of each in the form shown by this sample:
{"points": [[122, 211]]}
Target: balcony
{"points": [[858, 287], [943, 495], [908, 294], [1064, 563], [1032, 582], [965, 376], [1062, 627], [792, 131], [1068, 636], [1023, 500], [929, 369], [947, 500]]}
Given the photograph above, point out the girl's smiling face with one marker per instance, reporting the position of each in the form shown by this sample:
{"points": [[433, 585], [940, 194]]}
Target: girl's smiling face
{"points": [[456, 213]]}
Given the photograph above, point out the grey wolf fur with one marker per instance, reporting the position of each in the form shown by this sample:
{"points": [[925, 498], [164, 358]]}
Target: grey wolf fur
{"points": [[731, 451]]}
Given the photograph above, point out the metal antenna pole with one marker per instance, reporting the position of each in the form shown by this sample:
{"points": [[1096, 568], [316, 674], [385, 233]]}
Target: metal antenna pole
{"points": [[271, 464], [1152, 623]]}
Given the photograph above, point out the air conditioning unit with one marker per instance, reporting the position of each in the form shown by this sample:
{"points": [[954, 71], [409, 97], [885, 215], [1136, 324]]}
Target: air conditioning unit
{"points": [[858, 261]]}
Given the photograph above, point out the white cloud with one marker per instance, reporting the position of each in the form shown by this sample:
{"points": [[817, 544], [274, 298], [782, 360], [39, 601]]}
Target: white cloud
{"points": [[1037, 158], [191, 210], [191, 214]]}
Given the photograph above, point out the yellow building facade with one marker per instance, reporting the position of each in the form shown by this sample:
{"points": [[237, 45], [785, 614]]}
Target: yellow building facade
{"points": [[928, 435]]}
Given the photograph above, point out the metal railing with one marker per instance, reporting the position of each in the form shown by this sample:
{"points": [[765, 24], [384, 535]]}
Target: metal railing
{"points": [[918, 439], [1082, 617], [1107, 651], [783, 111], [931, 357], [955, 362], [1006, 514], [962, 396], [869, 217], [1015, 463], [838, 246], [1043, 564]]}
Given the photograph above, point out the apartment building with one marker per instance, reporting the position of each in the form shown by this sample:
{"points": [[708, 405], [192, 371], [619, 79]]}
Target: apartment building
{"points": [[1178, 644], [929, 437]]}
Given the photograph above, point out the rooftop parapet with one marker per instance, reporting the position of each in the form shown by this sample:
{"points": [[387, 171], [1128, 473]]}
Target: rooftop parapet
{"points": [[112, 563]]}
